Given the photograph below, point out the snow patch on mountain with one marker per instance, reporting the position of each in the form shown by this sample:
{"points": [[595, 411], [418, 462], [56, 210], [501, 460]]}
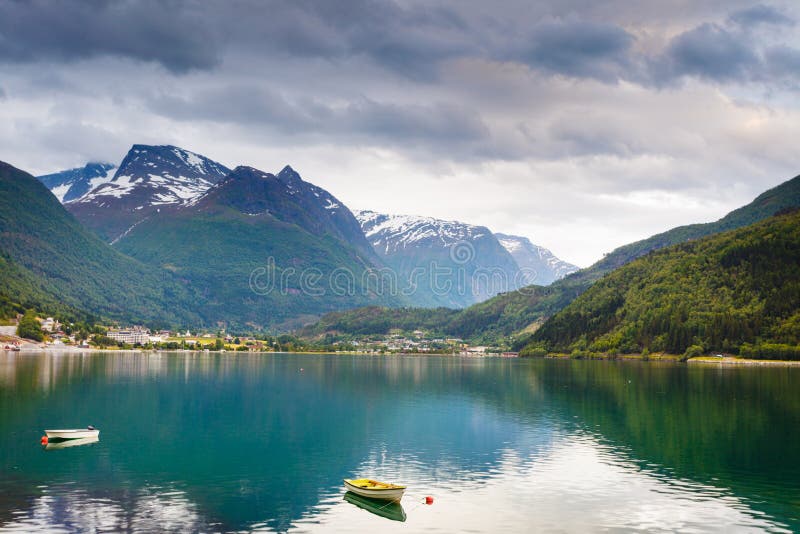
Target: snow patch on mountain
{"points": [[121, 186], [100, 180], [391, 233], [60, 190], [72, 184]]}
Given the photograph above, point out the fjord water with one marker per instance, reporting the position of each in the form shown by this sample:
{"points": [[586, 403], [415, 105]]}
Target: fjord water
{"points": [[220, 442]]}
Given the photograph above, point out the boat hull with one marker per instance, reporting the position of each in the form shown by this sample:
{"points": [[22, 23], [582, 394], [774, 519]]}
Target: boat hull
{"points": [[63, 444], [80, 433], [391, 493]]}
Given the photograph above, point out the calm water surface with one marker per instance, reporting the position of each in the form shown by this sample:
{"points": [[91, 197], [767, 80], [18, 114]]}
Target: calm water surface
{"points": [[230, 442]]}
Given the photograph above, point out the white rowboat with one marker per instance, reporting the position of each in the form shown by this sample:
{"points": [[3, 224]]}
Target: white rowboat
{"points": [[375, 489], [73, 433]]}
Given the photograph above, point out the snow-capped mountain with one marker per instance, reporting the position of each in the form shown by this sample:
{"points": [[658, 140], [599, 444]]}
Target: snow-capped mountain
{"points": [[390, 234], [540, 266], [72, 184], [450, 263], [158, 175], [149, 179]]}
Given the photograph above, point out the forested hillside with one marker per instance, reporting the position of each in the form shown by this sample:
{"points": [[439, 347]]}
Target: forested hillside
{"points": [[734, 292], [48, 261]]}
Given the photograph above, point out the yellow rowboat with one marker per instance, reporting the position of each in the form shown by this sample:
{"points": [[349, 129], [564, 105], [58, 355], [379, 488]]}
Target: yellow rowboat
{"points": [[374, 489]]}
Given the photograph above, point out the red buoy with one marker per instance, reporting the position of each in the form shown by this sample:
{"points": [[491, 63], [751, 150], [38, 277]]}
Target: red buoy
{"points": [[428, 500], [44, 440]]}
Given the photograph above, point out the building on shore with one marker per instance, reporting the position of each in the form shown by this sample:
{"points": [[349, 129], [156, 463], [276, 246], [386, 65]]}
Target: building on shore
{"points": [[133, 335], [50, 324]]}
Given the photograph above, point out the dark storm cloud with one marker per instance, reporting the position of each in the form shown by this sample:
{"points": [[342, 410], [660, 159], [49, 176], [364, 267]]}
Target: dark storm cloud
{"points": [[581, 49], [760, 14], [170, 33], [189, 35], [709, 51], [730, 53], [411, 40], [362, 119]]}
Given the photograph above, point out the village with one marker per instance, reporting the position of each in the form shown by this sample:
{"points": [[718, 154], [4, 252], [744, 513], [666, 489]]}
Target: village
{"points": [[50, 333]]}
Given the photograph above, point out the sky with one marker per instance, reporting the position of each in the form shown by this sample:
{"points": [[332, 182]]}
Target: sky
{"points": [[581, 124]]}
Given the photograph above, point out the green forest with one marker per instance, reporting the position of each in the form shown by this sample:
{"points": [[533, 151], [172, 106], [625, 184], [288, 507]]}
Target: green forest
{"points": [[736, 292], [50, 263]]}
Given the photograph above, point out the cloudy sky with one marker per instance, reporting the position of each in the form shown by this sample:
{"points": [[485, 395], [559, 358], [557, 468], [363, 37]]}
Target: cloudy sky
{"points": [[582, 124]]}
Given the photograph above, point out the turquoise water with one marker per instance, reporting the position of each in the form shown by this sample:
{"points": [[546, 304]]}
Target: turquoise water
{"points": [[223, 442]]}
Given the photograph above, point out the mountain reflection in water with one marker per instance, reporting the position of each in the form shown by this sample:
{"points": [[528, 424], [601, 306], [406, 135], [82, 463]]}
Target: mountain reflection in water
{"points": [[226, 442]]}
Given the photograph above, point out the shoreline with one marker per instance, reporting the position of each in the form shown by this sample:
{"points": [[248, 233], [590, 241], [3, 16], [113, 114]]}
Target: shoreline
{"points": [[674, 358], [661, 357]]}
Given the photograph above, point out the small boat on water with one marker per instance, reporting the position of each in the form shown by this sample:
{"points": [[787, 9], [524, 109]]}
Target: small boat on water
{"points": [[73, 433], [390, 510], [374, 489]]}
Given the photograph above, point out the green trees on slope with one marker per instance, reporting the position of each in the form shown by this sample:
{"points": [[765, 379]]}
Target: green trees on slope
{"points": [[29, 327], [731, 292]]}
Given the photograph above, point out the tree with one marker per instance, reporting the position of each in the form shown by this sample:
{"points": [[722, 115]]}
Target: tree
{"points": [[29, 327], [101, 340]]}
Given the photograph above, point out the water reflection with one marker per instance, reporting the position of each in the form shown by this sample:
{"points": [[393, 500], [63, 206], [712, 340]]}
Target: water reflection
{"points": [[69, 509], [389, 510], [579, 486], [63, 444], [238, 441]]}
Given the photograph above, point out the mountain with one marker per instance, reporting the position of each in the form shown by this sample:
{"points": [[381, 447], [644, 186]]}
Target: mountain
{"points": [[441, 263], [74, 183], [51, 263], [263, 250], [540, 266], [149, 180], [514, 315], [291, 199], [718, 293]]}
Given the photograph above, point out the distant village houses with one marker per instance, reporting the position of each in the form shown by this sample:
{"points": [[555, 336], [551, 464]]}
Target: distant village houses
{"points": [[50, 325]]}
